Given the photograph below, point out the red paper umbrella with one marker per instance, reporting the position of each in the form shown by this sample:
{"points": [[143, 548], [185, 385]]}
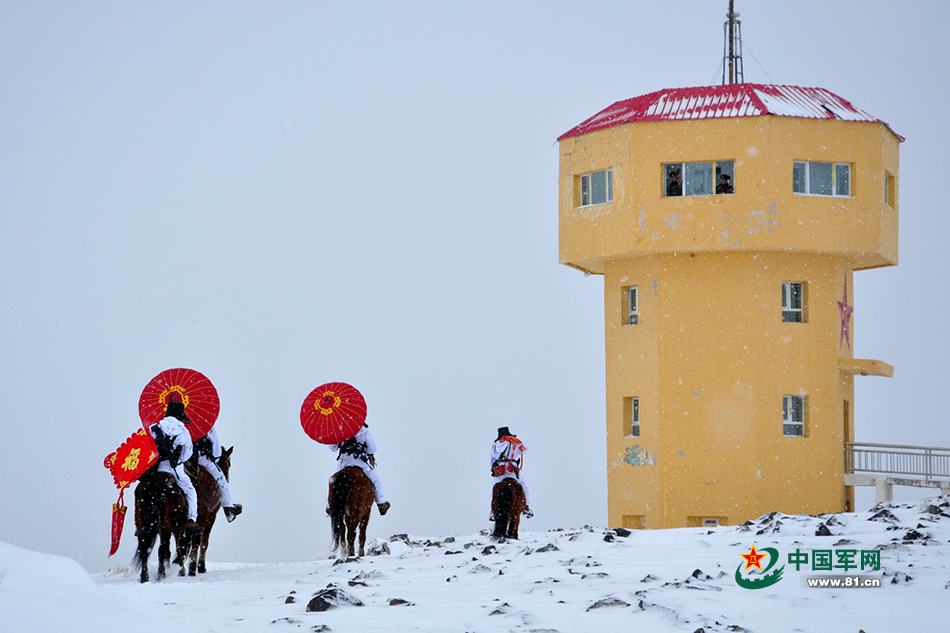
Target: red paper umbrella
{"points": [[188, 386], [333, 412]]}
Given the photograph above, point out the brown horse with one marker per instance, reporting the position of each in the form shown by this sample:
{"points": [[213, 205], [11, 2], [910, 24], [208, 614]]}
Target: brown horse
{"points": [[209, 502], [507, 504], [160, 511], [351, 501]]}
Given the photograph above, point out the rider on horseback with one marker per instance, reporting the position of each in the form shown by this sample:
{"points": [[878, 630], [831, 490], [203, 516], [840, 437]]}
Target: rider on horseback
{"points": [[209, 452], [506, 461], [360, 450], [174, 449]]}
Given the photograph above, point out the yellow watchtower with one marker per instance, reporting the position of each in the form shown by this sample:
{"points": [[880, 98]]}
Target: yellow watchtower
{"points": [[727, 222]]}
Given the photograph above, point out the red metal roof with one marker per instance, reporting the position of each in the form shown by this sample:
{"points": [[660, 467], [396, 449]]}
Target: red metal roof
{"points": [[722, 102]]}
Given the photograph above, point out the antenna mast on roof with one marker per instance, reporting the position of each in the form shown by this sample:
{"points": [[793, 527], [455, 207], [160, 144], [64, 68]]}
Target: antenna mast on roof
{"points": [[732, 48]]}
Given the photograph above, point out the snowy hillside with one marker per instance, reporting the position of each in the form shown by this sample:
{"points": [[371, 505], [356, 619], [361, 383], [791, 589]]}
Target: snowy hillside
{"points": [[568, 580]]}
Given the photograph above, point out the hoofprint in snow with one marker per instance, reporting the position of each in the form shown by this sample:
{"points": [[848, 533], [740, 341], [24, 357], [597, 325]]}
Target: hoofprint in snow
{"points": [[566, 580]]}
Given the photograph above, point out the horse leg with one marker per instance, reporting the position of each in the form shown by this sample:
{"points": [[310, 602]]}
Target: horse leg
{"points": [[513, 524], [517, 506], [164, 552], [501, 502], [180, 545], [143, 551], [351, 524], [190, 554], [364, 523], [518, 503], [203, 546], [193, 555], [202, 551], [181, 553], [149, 496], [142, 548]]}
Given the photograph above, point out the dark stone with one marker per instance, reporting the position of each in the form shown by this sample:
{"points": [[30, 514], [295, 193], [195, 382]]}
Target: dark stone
{"points": [[489, 550], [319, 603], [913, 535], [883, 515], [622, 532], [822, 530], [608, 602], [331, 598], [395, 602], [502, 609]]}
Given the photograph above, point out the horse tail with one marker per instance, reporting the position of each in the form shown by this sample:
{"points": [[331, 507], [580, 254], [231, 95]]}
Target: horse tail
{"points": [[341, 490], [504, 501]]}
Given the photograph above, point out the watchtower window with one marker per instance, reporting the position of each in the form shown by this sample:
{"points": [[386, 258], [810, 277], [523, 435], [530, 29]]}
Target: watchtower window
{"points": [[699, 179], [793, 416], [793, 302], [631, 416], [597, 188], [821, 179], [631, 306], [890, 196]]}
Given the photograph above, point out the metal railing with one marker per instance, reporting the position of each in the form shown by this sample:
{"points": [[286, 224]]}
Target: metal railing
{"points": [[922, 461]]}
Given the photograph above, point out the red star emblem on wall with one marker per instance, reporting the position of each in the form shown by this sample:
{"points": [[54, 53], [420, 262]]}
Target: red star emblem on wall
{"points": [[845, 311], [752, 559]]}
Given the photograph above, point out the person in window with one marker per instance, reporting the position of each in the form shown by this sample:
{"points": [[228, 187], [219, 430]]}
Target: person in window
{"points": [[724, 186], [673, 185], [360, 450], [209, 452], [174, 449], [506, 462]]}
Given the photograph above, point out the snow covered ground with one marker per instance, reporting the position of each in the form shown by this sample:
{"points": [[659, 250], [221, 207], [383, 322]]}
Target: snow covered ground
{"points": [[566, 580]]}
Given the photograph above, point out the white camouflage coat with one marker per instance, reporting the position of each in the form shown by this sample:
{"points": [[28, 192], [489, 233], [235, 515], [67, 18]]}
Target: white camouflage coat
{"points": [[175, 429], [212, 467], [365, 437], [513, 452]]}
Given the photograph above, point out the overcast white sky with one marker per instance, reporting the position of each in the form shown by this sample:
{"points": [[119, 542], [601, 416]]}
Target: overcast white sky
{"points": [[285, 194]]}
